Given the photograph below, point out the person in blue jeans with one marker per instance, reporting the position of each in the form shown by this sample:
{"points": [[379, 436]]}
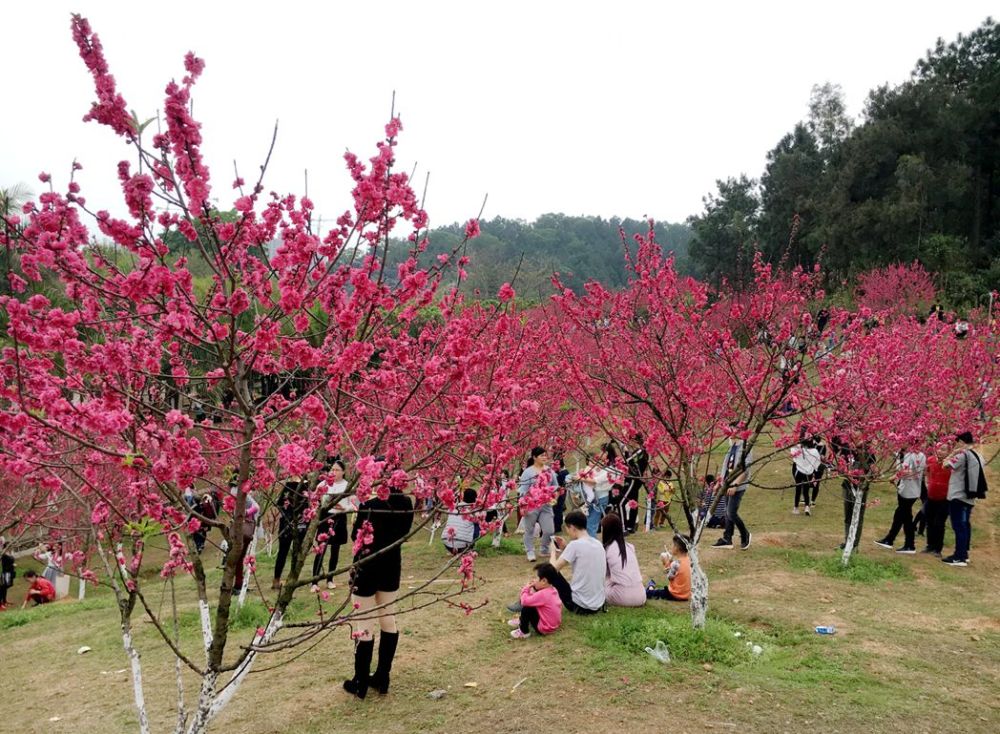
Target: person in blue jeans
{"points": [[735, 474], [599, 476], [965, 464]]}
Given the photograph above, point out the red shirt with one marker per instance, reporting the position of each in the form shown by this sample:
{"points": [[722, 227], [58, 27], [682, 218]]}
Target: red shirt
{"points": [[46, 590], [937, 479]]}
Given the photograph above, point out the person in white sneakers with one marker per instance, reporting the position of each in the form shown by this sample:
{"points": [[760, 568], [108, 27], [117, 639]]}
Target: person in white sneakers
{"points": [[735, 475], [538, 464], [806, 463], [966, 467], [910, 468]]}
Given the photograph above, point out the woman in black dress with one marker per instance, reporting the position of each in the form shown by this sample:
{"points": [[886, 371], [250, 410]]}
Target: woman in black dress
{"points": [[377, 570]]}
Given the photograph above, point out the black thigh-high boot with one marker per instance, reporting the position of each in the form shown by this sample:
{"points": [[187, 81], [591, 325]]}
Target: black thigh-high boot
{"points": [[387, 642], [358, 685]]}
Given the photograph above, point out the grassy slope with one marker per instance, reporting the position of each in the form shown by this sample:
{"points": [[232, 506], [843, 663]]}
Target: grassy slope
{"points": [[917, 640]]}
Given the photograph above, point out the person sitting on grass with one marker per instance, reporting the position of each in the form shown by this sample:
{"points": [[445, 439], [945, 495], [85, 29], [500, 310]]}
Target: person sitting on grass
{"points": [[623, 583], [678, 566], [461, 532], [40, 591], [541, 608], [585, 595]]}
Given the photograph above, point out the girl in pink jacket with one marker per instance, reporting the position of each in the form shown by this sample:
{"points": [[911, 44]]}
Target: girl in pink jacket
{"points": [[541, 608]]}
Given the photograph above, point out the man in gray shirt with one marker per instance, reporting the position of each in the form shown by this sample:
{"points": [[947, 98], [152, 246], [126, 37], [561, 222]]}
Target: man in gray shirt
{"points": [[585, 594], [735, 474], [966, 464]]}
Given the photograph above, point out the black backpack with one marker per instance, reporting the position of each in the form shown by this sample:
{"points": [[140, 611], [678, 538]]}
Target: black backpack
{"points": [[980, 491]]}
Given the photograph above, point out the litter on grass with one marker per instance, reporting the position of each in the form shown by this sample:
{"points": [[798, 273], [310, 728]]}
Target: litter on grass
{"points": [[660, 652]]}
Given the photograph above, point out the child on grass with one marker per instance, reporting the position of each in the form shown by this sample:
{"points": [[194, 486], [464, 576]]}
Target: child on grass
{"points": [[678, 567], [541, 608]]}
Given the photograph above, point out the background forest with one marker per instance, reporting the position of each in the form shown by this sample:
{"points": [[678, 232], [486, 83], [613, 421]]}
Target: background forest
{"points": [[916, 178]]}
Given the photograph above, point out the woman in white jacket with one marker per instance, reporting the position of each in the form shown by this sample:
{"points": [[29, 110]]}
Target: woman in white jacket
{"points": [[806, 464]]}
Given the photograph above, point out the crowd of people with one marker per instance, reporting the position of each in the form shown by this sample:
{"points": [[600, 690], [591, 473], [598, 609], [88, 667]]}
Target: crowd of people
{"points": [[605, 566], [607, 571], [604, 572], [946, 485]]}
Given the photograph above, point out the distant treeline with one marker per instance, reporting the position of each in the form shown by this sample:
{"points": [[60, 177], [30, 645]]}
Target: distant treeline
{"points": [[916, 178], [579, 248]]}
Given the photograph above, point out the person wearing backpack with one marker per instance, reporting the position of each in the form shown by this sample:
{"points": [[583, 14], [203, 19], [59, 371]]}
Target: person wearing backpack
{"points": [[966, 485], [936, 507]]}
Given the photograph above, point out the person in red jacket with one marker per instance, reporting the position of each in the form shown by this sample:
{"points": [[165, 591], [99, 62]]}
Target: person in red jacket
{"points": [[936, 507], [41, 591]]}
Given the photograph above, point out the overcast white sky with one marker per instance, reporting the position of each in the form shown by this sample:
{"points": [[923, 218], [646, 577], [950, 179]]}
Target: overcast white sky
{"points": [[627, 108]]}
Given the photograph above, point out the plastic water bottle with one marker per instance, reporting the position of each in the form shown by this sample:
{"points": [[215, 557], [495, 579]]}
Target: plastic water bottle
{"points": [[826, 630]]}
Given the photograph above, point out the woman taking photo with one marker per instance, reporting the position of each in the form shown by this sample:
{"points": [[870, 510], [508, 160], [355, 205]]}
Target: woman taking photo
{"points": [[376, 573], [335, 504]]}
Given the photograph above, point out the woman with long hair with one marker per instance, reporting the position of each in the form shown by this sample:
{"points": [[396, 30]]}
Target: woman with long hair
{"points": [[538, 463], [377, 570], [332, 532], [623, 581]]}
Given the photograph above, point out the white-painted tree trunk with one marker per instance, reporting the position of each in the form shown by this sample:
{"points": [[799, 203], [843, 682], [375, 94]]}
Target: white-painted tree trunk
{"points": [[699, 590], [206, 696], [852, 531], [252, 550], [81, 590], [211, 703], [240, 674], [133, 656], [206, 623]]}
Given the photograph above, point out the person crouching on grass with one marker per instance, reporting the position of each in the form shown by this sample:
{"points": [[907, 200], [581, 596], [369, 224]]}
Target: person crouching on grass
{"points": [[541, 608], [678, 567], [40, 591]]}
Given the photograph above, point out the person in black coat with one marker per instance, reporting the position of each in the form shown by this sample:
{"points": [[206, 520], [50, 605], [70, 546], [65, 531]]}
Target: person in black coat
{"points": [[638, 465], [6, 572], [291, 507], [376, 574]]}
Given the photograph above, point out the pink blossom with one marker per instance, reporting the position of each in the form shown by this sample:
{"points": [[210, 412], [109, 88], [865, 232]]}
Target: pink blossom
{"points": [[294, 459]]}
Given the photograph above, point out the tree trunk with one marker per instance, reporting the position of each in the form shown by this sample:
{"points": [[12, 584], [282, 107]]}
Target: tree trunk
{"points": [[852, 531], [136, 664], [199, 724], [229, 690], [246, 574], [206, 623], [699, 590]]}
